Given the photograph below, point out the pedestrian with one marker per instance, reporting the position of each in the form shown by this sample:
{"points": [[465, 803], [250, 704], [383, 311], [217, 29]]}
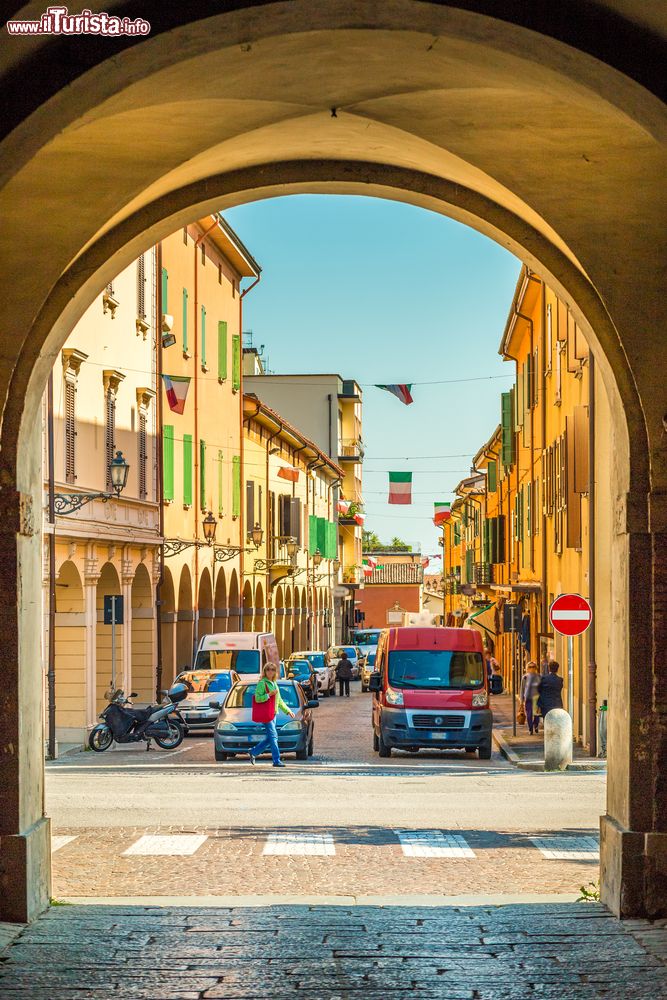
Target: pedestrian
{"points": [[344, 674], [551, 688], [530, 684], [496, 678], [266, 689]]}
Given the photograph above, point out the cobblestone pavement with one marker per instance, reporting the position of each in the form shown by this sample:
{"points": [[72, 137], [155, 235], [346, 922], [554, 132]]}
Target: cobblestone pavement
{"points": [[550, 952], [367, 808]]}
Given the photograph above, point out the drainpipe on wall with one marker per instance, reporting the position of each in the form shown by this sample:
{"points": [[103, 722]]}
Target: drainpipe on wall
{"points": [[242, 295], [159, 492], [592, 665], [543, 390], [51, 662], [269, 537]]}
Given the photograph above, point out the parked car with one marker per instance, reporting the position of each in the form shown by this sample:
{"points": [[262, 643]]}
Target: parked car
{"points": [[204, 686], [304, 672], [244, 652], [366, 639], [354, 655], [235, 732], [366, 670], [430, 689], [326, 673]]}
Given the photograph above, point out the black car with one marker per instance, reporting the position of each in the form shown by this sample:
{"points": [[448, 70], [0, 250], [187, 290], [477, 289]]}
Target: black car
{"points": [[304, 672]]}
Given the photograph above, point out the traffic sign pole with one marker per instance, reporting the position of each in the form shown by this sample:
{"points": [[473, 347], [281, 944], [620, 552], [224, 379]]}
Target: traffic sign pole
{"points": [[570, 677]]}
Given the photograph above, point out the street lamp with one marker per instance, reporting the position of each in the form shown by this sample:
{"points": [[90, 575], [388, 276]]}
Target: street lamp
{"points": [[317, 558], [68, 503], [336, 565], [256, 535], [292, 547], [209, 525]]}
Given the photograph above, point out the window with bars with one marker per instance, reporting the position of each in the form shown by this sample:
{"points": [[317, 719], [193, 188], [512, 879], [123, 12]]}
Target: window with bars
{"points": [[70, 430], [143, 455], [109, 434], [141, 287]]}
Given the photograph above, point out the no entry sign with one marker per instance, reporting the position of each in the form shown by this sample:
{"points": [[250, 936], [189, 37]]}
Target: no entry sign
{"points": [[570, 614]]}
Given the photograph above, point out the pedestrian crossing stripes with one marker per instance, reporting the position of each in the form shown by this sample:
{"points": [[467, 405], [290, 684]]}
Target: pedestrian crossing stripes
{"points": [[58, 842], [433, 844], [567, 848], [300, 843], [183, 843]]}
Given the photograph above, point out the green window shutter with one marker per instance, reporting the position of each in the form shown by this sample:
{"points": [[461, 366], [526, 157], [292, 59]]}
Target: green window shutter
{"points": [[321, 534], [202, 474], [203, 336], [168, 461], [187, 470], [529, 497], [222, 350], [236, 486], [220, 483], [165, 291], [507, 427], [312, 534], [236, 361], [492, 477], [184, 321], [332, 548], [522, 509]]}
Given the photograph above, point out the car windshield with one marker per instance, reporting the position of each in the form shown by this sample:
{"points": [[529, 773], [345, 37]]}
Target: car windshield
{"points": [[299, 667], [350, 650], [241, 696], [243, 661], [435, 668], [317, 659], [366, 638], [201, 683]]}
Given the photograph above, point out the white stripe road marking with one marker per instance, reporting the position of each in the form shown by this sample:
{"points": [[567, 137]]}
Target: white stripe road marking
{"points": [[433, 844], [58, 842], [300, 843], [573, 616], [565, 848], [182, 843]]}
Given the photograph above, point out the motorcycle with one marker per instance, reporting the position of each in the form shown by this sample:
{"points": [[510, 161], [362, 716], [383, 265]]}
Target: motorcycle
{"points": [[123, 724]]}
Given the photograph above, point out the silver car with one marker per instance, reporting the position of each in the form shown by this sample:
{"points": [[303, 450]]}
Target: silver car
{"points": [[354, 655], [204, 686], [235, 732]]}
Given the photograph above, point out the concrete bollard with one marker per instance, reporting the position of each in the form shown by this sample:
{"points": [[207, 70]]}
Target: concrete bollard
{"points": [[557, 740]]}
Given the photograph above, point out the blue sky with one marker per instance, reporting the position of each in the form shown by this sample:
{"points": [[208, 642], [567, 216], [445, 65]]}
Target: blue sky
{"points": [[384, 292]]}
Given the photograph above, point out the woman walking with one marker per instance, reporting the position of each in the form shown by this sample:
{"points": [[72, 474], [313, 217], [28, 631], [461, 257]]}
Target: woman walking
{"points": [[267, 691], [344, 675], [551, 688], [530, 684]]}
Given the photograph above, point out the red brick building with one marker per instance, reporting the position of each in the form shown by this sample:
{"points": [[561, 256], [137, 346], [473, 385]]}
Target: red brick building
{"points": [[394, 585]]}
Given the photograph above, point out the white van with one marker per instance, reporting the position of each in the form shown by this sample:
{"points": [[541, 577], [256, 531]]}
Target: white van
{"points": [[244, 652]]}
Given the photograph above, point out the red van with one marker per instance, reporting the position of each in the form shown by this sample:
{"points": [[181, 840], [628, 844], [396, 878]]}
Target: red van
{"points": [[430, 689]]}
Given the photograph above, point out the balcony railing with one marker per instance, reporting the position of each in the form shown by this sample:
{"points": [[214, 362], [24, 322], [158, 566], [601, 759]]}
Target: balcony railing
{"points": [[482, 573], [351, 448], [279, 549]]}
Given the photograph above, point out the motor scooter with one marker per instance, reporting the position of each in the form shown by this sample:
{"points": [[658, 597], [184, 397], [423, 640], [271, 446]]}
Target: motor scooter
{"points": [[121, 723]]}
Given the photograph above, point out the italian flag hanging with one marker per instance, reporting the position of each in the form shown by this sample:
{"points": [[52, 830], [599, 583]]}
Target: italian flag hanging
{"points": [[400, 487], [441, 513], [176, 388]]}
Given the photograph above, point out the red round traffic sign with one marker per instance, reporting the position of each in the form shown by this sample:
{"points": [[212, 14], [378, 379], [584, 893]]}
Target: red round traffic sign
{"points": [[570, 614]]}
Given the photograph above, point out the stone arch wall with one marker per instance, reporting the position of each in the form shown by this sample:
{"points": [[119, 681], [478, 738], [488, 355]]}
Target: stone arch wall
{"points": [[221, 610], [260, 609], [234, 603], [143, 635], [184, 621], [70, 638], [168, 629], [248, 607], [205, 611], [108, 583]]}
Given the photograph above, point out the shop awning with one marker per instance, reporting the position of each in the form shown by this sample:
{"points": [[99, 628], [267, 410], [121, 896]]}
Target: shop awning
{"points": [[484, 620]]}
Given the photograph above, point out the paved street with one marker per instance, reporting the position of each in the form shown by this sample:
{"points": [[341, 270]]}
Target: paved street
{"points": [[345, 824]]}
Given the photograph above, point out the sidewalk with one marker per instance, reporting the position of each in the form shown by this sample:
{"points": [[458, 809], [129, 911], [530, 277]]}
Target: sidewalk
{"points": [[526, 751]]}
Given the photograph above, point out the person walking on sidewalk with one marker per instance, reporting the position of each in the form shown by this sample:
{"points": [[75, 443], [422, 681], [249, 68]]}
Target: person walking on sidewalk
{"points": [[551, 688], [344, 675], [266, 689], [530, 690]]}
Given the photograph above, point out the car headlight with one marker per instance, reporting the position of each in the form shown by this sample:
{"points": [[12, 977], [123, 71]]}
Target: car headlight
{"points": [[394, 697], [480, 698], [291, 727], [225, 727]]}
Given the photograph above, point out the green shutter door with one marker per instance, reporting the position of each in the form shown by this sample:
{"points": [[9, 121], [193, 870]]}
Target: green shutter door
{"points": [[236, 486], [168, 461], [184, 321], [332, 548], [492, 477], [203, 336], [507, 426], [312, 534], [236, 362], [187, 470], [202, 474], [165, 291], [321, 534], [222, 351]]}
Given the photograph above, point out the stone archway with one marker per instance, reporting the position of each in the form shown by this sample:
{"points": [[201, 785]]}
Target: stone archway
{"points": [[143, 635], [184, 622], [168, 629], [260, 609], [205, 611], [389, 95], [248, 609], [288, 623], [220, 609], [234, 603], [110, 669], [74, 665], [279, 619]]}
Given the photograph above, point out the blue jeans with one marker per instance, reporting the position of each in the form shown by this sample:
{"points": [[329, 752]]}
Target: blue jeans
{"points": [[270, 742]]}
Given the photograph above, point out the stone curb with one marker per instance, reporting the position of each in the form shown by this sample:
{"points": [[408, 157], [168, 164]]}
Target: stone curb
{"points": [[599, 766], [277, 899], [8, 934]]}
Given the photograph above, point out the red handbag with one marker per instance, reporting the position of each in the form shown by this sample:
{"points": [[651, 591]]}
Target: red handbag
{"points": [[264, 711]]}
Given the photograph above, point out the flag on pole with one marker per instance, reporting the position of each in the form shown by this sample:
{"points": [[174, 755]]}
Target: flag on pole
{"points": [[176, 388], [400, 487], [399, 389], [441, 513], [289, 473]]}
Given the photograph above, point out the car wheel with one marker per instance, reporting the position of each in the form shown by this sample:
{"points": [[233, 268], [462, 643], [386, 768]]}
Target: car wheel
{"points": [[302, 752], [484, 751], [221, 755], [383, 749], [376, 742], [311, 748]]}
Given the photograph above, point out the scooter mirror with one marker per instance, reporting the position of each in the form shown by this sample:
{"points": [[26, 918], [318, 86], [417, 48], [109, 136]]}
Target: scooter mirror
{"points": [[134, 695]]}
